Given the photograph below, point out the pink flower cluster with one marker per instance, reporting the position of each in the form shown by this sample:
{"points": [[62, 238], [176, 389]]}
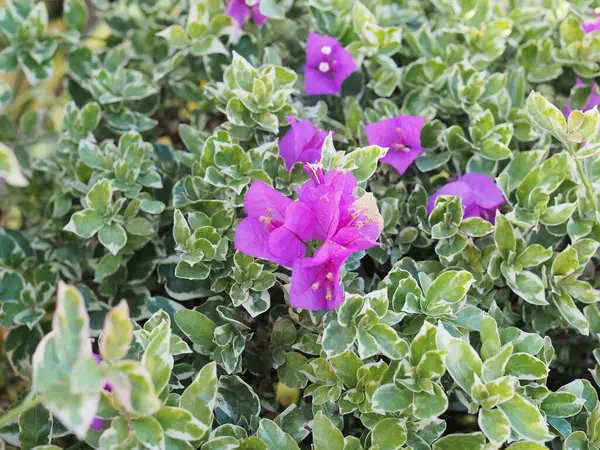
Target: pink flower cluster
{"points": [[328, 213]]}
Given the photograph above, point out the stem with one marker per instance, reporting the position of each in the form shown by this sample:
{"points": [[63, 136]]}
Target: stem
{"points": [[584, 179], [27, 404]]}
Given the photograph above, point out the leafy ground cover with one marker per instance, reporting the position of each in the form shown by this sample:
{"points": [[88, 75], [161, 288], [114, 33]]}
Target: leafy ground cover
{"points": [[311, 224]]}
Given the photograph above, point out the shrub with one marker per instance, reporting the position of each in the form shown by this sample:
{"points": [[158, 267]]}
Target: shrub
{"points": [[278, 225]]}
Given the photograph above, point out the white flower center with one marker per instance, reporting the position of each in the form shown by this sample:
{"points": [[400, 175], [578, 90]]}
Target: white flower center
{"points": [[252, 3], [324, 67], [326, 50]]}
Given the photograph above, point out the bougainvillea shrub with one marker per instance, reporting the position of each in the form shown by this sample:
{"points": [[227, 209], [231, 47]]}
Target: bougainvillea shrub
{"points": [[310, 224]]}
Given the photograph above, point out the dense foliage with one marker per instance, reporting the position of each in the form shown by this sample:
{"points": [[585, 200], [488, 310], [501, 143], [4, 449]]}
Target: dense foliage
{"points": [[278, 224]]}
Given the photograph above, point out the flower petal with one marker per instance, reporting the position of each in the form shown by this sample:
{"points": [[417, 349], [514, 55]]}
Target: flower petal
{"points": [[589, 26], [285, 246], [251, 238], [261, 197], [456, 188], [324, 201], [259, 18], [401, 160], [411, 127], [383, 133], [287, 145], [319, 83], [314, 45], [300, 219], [344, 65], [486, 193], [353, 239], [304, 274], [97, 424], [239, 11], [345, 183]]}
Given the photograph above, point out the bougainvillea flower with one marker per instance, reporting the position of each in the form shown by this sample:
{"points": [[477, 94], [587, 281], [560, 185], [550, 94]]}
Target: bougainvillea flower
{"points": [[589, 26], [329, 197], [98, 422], [316, 281], [593, 100], [402, 136], [242, 10], [363, 225], [479, 193], [328, 64], [302, 143], [273, 230]]}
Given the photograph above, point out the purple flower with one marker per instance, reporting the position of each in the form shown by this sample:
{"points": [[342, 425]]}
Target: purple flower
{"points": [[98, 422], [276, 227], [402, 135], [315, 281], [328, 210], [302, 143], [480, 196], [241, 10], [589, 26], [593, 100], [328, 64]]}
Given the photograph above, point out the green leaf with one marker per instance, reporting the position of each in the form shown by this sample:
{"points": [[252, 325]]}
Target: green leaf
{"points": [[150, 433], [199, 398], [346, 366], [236, 401], [390, 344], [175, 36], [533, 256], [565, 263], [575, 441], [529, 446], [139, 226], [275, 437], [325, 435], [473, 441], [529, 287], [451, 286], [181, 230], [562, 404], [526, 367], [99, 197], [570, 312], [158, 361], [504, 236], [462, 361], [197, 327], [494, 425], [547, 116], [56, 357], [76, 14], [179, 424], [117, 334], [390, 398], [389, 434], [113, 237], [337, 339], [525, 419], [363, 161], [85, 223], [10, 169], [476, 227], [427, 406], [35, 428], [291, 372]]}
